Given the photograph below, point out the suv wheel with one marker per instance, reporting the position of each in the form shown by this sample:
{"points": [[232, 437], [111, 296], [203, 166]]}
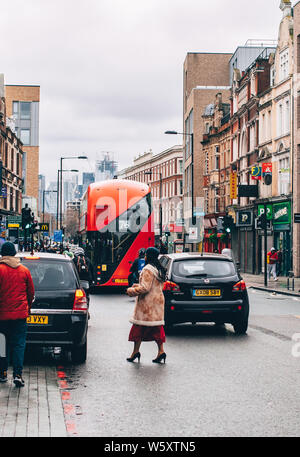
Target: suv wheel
{"points": [[79, 353], [241, 326]]}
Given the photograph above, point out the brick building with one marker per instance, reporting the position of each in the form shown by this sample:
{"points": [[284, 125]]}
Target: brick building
{"points": [[217, 168], [296, 138], [22, 104], [11, 156], [205, 74]]}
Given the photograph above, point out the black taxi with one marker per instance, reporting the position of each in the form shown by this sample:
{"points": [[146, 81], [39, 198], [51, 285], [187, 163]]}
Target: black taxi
{"points": [[59, 312], [204, 288]]}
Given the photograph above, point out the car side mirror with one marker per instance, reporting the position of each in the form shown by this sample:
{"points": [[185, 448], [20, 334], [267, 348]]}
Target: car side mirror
{"points": [[84, 285]]}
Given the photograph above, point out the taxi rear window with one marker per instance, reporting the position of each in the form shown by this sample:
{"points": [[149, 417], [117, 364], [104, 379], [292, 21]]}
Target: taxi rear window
{"points": [[206, 268], [51, 275]]}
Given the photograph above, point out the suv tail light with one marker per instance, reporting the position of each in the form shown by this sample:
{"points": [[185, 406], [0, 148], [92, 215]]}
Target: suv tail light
{"points": [[239, 286], [171, 286], [80, 302]]}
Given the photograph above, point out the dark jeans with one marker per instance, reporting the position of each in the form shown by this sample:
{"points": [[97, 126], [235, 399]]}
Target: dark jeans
{"points": [[15, 336]]}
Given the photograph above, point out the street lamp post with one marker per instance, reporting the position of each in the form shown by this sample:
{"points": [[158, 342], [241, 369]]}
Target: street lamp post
{"points": [[61, 172], [61, 160]]}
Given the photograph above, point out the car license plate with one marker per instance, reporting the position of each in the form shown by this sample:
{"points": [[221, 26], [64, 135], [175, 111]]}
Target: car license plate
{"points": [[36, 319], [206, 292]]}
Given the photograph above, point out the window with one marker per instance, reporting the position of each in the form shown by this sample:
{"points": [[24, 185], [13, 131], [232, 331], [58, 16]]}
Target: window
{"points": [[180, 162], [25, 109], [284, 64], [287, 117], [25, 136], [188, 131], [263, 129], [12, 160], [51, 275], [269, 125], [280, 120], [272, 76], [180, 187], [217, 200], [206, 163], [217, 162], [284, 176], [15, 108], [203, 268]]}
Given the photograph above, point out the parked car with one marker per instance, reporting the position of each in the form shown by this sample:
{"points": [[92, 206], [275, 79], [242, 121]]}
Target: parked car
{"points": [[59, 313], [204, 288]]}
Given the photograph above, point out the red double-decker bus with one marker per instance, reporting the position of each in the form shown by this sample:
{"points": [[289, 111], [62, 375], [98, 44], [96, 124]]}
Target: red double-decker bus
{"points": [[116, 221]]}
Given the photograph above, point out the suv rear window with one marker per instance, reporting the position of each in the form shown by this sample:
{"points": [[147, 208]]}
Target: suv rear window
{"points": [[203, 268], [51, 275]]}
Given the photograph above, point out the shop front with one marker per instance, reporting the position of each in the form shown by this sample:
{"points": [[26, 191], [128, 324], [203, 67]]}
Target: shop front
{"points": [[278, 235], [282, 235], [245, 254]]}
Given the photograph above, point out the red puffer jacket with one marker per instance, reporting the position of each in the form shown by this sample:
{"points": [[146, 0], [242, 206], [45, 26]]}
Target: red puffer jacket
{"points": [[16, 289]]}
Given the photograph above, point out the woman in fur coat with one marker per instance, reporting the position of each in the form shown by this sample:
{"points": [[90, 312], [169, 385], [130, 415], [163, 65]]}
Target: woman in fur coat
{"points": [[148, 315]]}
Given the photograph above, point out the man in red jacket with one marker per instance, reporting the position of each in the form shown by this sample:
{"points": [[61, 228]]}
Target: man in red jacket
{"points": [[16, 296]]}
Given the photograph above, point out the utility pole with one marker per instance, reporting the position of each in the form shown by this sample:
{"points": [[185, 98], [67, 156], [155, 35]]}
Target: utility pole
{"points": [[266, 244]]}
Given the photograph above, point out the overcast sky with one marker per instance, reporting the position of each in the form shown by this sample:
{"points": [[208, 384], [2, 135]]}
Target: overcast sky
{"points": [[110, 71]]}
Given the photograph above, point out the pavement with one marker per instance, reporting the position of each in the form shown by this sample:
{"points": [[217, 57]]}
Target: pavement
{"points": [[35, 410], [281, 286]]}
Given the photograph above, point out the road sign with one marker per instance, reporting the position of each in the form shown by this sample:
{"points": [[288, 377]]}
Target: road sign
{"points": [[297, 218], [57, 236]]}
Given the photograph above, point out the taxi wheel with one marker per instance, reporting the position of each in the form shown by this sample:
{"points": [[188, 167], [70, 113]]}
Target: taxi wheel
{"points": [[79, 353], [241, 326]]}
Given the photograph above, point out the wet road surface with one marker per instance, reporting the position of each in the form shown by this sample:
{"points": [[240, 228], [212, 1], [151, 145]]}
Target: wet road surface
{"points": [[214, 383]]}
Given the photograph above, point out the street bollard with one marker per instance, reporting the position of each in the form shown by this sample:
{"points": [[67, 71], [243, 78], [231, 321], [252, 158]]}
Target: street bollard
{"points": [[292, 277], [2, 345]]}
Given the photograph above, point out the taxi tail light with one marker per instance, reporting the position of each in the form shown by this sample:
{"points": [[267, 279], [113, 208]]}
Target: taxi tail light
{"points": [[80, 302], [171, 286], [239, 286]]}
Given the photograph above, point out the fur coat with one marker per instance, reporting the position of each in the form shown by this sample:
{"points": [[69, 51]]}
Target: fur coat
{"points": [[150, 301]]}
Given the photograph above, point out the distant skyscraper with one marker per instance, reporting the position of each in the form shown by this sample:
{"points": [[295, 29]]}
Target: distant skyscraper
{"points": [[105, 168], [87, 179], [51, 199]]}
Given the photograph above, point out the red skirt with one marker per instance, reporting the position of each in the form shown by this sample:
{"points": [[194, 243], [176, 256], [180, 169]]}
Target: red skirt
{"points": [[143, 333]]}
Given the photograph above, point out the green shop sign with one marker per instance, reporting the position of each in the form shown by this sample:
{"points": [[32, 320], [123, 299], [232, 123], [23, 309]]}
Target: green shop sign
{"points": [[282, 213], [261, 210]]}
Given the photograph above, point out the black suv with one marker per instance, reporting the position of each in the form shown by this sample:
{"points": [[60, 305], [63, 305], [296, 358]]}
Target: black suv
{"points": [[204, 288], [59, 313]]}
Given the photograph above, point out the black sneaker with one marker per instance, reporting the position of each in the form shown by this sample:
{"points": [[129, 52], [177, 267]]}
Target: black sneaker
{"points": [[19, 381], [3, 376]]}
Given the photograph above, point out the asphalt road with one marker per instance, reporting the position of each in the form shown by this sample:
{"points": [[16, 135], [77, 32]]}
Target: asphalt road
{"points": [[214, 383]]}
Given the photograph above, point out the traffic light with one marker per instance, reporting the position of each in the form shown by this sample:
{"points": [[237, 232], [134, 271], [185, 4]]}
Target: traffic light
{"points": [[261, 221], [228, 223], [27, 218], [225, 223], [33, 226]]}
